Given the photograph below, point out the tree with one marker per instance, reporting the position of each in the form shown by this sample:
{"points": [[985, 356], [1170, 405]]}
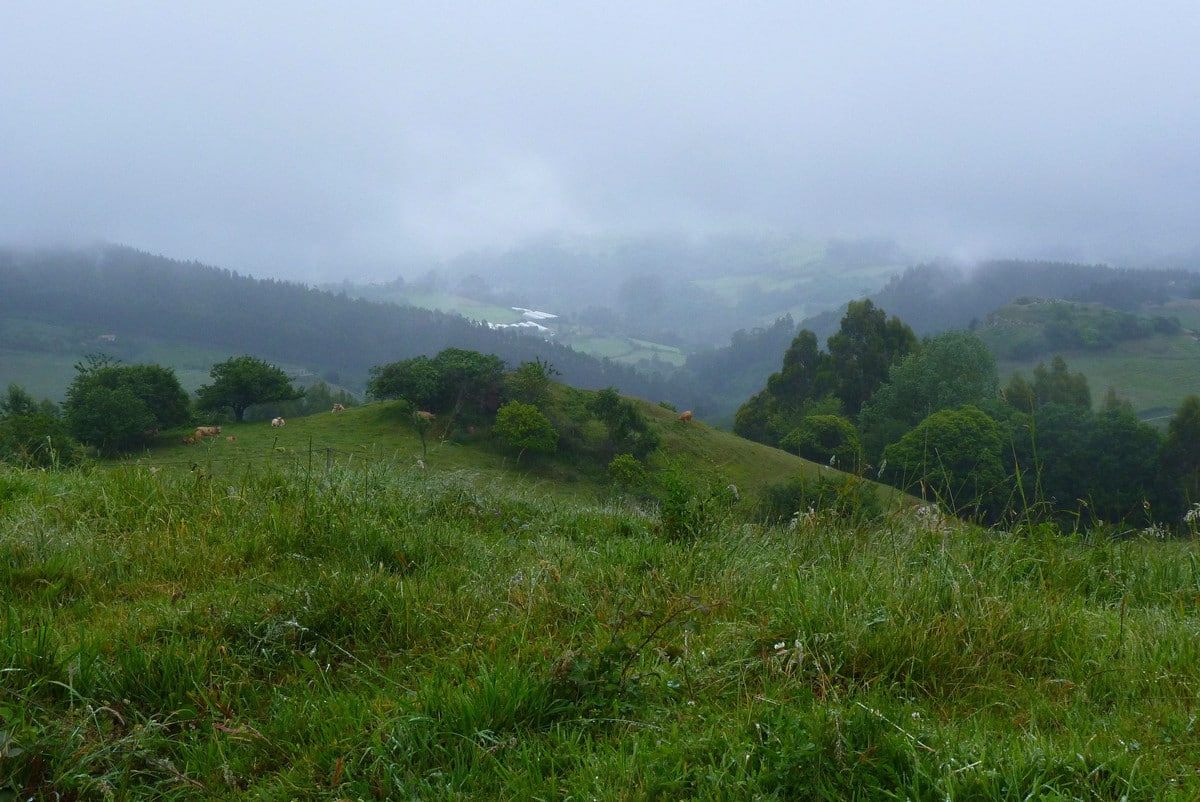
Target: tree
{"points": [[862, 351], [530, 383], [413, 380], [1179, 457], [242, 381], [118, 408], [628, 430], [948, 371], [957, 454], [33, 434], [468, 380], [801, 387], [827, 439], [523, 427], [1056, 385]]}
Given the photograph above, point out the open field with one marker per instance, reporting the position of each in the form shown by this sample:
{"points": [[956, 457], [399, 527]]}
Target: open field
{"points": [[374, 631]]}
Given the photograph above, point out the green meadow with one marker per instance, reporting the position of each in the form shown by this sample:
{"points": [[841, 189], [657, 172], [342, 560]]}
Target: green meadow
{"points": [[328, 611]]}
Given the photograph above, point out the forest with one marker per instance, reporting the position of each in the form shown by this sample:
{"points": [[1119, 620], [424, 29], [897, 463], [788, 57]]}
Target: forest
{"points": [[136, 294]]}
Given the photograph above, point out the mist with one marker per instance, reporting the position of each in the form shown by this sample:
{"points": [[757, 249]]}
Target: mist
{"points": [[319, 143]]}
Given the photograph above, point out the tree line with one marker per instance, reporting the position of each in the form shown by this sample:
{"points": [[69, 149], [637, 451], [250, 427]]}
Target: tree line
{"points": [[929, 416], [336, 337]]}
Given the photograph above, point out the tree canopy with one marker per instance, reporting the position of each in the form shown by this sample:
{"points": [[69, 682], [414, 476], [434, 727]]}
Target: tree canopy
{"points": [[242, 381], [117, 408]]}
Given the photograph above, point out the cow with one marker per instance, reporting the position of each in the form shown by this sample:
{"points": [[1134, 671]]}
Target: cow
{"points": [[231, 438], [423, 415], [189, 440], [685, 416], [339, 408], [277, 422], [207, 431]]}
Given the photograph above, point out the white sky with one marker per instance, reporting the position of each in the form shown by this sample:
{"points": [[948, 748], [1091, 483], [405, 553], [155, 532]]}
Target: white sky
{"points": [[320, 140]]}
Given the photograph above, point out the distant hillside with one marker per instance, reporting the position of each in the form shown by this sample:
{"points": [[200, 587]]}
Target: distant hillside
{"points": [[669, 291], [58, 305]]}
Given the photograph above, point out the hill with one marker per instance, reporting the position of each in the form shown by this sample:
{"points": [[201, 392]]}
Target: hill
{"points": [[58, 305], [273, 626]]}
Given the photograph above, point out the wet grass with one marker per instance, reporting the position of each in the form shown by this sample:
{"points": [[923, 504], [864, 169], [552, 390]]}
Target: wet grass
{"points": [[374, 632]]}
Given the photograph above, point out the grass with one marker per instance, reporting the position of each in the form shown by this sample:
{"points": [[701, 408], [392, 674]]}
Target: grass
{"points": [[307, 612], [370, 631]]}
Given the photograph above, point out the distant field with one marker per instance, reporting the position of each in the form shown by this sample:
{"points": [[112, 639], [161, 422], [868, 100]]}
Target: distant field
{"points": [[1154, 374], [627, 349]]}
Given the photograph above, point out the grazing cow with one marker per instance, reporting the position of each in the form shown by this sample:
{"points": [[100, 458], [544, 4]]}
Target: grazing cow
{"points": [[685, 416], [339, 408], [277, 422], [423, 415]]}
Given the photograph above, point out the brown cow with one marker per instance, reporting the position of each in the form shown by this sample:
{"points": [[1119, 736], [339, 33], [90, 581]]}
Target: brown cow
{"points": [[685, 416], [423, 415], [207, 431]]}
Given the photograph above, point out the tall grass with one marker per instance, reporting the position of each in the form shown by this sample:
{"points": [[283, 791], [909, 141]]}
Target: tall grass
{"points": [[385, 633]]}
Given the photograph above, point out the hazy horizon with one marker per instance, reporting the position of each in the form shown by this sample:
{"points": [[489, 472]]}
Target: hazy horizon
{"points": [[320, 143]]}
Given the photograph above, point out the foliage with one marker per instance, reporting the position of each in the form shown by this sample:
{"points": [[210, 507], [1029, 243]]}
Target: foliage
{"points": [[118, 408], [863, 350], [628, 473], [33, 434], [628, 430], [242, 381], [956, 457], [1056, 385], [827, 439], [455, 382], [812, 382], [523, 427], [413, 380], [948, 371], [1180, 457], [530, 383]]}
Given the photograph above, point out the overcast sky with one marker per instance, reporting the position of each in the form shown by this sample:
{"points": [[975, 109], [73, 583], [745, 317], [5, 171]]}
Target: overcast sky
{"points": [[310, 140]]}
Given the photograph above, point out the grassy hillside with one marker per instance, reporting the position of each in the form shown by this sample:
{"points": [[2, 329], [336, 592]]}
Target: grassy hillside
{"points": [[1144, 357], [241, 621], [381, 434]]}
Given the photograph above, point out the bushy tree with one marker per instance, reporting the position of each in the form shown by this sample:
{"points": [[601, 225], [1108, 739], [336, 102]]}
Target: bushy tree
{"points": [[456, 381], [1179, 458], [523, 427], [1053, 385], [33, 434], [829, 439], [955, 455], [948, 371], [117, 408], [628, 430], [413, 380], [530, 383], [241, 382], [862, 351]]}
